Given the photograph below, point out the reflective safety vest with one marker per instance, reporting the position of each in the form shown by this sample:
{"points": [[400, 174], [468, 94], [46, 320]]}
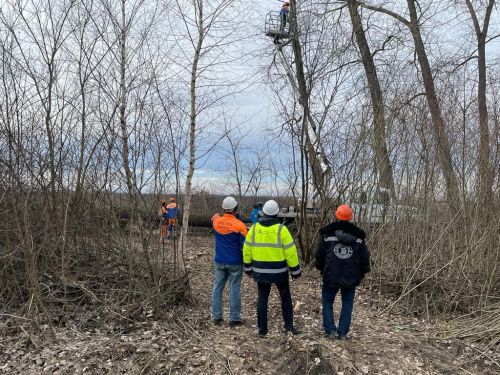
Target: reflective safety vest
{"points": [[269, 252]]}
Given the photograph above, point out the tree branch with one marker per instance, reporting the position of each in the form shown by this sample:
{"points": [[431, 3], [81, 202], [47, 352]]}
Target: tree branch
{"points": [[380, 9]]}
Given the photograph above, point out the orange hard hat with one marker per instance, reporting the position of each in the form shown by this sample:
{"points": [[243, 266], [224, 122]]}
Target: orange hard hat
{"points": [[172, 199], [343, 213]]}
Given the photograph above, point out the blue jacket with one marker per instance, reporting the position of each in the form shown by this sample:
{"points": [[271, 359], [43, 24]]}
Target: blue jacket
{"points": [[254, 215], [172, 211], [230, 235]]}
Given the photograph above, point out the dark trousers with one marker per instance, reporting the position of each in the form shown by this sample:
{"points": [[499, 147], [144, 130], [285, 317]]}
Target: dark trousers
{"points": [[286, 304], [328, 297], [283, 18]]}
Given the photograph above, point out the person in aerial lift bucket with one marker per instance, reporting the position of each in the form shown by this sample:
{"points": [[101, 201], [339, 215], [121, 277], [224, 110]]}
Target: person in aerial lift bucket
{"points": [[283, 20], [343, 259], [269, 255], [284, 15]]}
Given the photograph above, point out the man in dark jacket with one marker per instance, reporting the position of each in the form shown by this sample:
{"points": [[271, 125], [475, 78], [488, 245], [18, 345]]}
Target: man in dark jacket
{"points": [[343, 259]]}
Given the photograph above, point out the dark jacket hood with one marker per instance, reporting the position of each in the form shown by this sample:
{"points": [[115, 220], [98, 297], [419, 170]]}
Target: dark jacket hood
{"points": [[267, 221], [345, 237], [345, 231]]}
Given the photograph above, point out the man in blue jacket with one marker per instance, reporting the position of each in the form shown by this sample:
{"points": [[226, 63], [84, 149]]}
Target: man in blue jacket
{"points": [[255, 214], [343, 259], [283, 18], [230, 235], [285, 9]]}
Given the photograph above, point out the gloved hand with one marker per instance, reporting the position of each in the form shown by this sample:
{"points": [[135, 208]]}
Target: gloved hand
{"points": [[295, 277]]}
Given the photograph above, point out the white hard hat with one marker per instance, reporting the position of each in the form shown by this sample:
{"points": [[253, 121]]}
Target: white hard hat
{"points": [[229, 203], [271, 208]]}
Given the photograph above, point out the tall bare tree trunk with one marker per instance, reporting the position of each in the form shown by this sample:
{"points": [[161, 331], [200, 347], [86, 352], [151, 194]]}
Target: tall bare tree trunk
{"points": [[48, 129], [438, 126], [123, 101], [382, 161], [83, 131], [486, 176], [192, 141], [314, 155]]}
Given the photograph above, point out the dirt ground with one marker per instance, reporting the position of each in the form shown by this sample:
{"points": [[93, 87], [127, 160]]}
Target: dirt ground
{"points": [[185, 341]]}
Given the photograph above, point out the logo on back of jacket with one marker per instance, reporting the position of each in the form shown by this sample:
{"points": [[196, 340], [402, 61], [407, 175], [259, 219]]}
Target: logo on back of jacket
{"points": [[342, 251]]}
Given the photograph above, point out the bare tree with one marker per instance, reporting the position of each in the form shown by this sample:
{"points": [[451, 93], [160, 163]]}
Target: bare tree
{"points": [[246, 165], [313, 147], [52, 19], [206, 30], [486, 177], [382, 161], [236, 166], [315, 71], [438, 125]]}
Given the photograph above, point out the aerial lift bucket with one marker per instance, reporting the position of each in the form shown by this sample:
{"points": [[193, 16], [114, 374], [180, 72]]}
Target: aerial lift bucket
{"points": [[275, 28]]}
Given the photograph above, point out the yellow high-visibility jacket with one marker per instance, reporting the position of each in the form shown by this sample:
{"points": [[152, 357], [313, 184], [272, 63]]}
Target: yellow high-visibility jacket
{"points": [[269, 252]]}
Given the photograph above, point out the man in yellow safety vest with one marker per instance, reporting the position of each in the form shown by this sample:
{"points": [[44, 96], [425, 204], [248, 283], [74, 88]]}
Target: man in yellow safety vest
{"points": [[269, 254]]}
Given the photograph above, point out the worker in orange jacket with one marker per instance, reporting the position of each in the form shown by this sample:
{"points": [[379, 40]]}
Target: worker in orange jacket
{"points": [[230, 235], [172, 212]]}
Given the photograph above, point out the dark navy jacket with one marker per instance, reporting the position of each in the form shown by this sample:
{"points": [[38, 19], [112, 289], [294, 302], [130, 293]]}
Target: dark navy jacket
{"points": [[342, 255]]}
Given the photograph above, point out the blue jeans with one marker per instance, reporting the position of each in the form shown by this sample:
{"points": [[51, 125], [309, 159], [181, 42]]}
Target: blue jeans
{"points": [[328, 298], [223, 272]]}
